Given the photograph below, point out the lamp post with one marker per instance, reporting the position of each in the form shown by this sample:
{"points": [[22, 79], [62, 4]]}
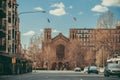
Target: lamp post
{"points": [[103, 55], [103, 44], [30, 12]]}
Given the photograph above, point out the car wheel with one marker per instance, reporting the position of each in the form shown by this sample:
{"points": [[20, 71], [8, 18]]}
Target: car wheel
{"points": [[107, 75]]}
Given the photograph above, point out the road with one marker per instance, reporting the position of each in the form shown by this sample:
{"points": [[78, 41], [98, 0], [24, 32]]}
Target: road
{"points": [[57, 75]]}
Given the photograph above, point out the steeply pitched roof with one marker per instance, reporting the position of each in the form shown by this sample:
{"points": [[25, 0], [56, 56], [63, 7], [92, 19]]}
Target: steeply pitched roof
{"points": [[60, 36]]}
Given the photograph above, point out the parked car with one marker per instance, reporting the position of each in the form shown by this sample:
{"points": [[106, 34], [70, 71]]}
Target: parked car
{"points": [[77, 69], [112, 69], [85, 70], [93, 69]]}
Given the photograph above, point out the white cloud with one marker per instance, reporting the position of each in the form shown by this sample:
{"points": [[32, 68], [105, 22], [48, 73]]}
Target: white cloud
{"points": [[38, 9], [58, 5], [29, 33], [99, 8], [111, 3], [59, 11], [55, 31]]}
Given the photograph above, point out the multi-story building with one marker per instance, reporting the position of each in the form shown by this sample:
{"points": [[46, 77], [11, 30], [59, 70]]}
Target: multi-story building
{"points": [[10, 27], [2, 24], [10, 46], [60, 51]]}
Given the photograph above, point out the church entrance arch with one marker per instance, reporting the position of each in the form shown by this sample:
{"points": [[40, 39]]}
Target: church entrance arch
{"points": [[60, 65], [54, 66]]}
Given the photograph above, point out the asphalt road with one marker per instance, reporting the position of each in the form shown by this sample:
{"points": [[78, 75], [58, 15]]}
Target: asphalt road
{"points": [[57, 75]]}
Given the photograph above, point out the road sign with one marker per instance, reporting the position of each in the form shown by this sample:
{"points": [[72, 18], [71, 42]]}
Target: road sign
{"points": [[13, 60]]}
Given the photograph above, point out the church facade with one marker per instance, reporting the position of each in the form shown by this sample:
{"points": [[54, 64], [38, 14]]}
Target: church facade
{"points": [[56, 50]]}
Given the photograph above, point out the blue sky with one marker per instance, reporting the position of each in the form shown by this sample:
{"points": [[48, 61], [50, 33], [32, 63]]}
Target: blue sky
{"points": [[63, 15]]}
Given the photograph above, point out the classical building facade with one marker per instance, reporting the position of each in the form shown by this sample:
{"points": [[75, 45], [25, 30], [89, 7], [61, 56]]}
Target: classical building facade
{"points": [[58, 51]]}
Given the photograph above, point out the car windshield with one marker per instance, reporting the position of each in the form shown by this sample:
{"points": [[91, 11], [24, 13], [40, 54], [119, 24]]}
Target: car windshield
{"points": [[77, 68], [114, 66], [86, 68], [93, 68]]}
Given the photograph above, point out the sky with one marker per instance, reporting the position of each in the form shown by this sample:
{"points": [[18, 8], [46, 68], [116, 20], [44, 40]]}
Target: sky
{"points": [[61, 15]]}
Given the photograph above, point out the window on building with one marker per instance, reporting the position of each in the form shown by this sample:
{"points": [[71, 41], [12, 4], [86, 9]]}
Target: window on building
{"points": [[13, 48], [3, 41], [13, 19], [9, 34], [9, 13], [13, 34], [4, 24], [60, 51], [9, 19], [9, 48], [72, 36], [9, 4]]}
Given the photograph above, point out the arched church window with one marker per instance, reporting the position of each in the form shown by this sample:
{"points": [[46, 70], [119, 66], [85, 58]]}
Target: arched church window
{"points": [[60, 51]]}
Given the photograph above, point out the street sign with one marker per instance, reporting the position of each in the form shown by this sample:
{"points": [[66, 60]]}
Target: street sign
{"points": [[13, 60]]}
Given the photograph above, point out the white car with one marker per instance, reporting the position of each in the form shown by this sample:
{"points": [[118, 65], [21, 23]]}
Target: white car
{"points": [[77, 69], [85, 69]]}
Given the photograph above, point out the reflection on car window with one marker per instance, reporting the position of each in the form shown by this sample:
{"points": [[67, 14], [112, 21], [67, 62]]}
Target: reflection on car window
{"points": [[93, 68], [114, 66]]}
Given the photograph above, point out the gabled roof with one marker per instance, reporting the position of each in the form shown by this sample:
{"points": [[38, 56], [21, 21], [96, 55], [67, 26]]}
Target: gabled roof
{"points": [[60, 36]]}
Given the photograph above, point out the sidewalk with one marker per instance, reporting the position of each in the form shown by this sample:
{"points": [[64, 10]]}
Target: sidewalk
{"points": [[52, 71]]}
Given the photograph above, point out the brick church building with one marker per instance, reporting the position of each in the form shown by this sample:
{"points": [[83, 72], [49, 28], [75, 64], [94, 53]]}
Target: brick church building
{"points": [[58, 53], [56, 50]]}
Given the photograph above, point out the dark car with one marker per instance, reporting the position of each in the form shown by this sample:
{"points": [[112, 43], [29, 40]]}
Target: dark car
{"points": [[112, 69], [93, 69]]}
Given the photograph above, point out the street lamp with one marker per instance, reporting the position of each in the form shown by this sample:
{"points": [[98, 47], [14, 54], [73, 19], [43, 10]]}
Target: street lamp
{"points": [[103, 46], [34, 50], [31, 12], [28, 12]]}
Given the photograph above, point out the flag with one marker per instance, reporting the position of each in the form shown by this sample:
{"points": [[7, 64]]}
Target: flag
{"points": [[74, 18], [48, 20]]}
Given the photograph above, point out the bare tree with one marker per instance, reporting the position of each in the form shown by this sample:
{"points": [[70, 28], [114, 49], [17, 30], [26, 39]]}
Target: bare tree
{"points": [[104, 36], [106, 20], [35, 50], [77, 54]]}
